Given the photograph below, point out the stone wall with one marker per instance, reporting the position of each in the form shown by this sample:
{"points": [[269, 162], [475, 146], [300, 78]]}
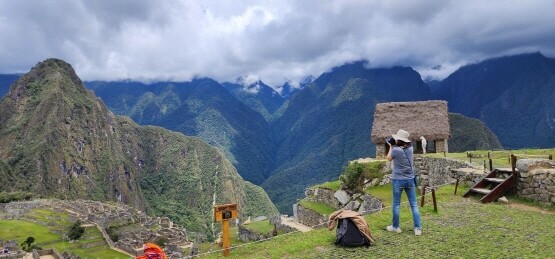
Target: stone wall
{"points": [[310, 218], [437, 171], [246, 235], [322, 195], [442, 146], [536, 180]]}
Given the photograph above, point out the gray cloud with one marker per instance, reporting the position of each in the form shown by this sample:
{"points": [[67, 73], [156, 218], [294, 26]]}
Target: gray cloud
{"points": [[275, 41]]}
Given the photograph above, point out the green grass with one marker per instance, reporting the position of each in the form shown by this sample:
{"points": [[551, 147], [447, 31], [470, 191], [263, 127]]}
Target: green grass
{"points": [[334, 186], [500, 158], [462, 228], [321, 208], [19, 230], [263, 227]]}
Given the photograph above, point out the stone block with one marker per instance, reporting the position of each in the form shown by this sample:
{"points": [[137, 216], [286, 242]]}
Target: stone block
{"points": [[369, 205], [544, 197], [342, 196], [353, 205], [526, 165], [550, 188]]}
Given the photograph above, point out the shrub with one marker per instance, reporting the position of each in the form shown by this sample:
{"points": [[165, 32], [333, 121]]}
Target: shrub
{"points": [[76, 231], [353, 177]]}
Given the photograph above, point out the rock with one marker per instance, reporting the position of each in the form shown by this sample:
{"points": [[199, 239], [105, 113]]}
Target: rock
{"points": [[503, 199], [544, 197], [295, 210], [375, 182], [259, 218], [526, 165], [369, 205], [353, 205], [342, 196]]}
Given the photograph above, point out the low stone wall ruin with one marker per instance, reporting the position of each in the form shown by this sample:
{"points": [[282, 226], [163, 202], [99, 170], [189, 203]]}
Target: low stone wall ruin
{"points": [[434, 171], [536, 180], [310, 218]]}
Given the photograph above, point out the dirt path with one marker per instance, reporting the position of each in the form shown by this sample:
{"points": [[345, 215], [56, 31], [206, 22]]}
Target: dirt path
{"points": [[530, 208], [294, 224]]}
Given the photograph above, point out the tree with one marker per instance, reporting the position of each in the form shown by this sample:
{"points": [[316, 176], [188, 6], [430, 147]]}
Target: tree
{"points": [[76, 231], [28, 245]]}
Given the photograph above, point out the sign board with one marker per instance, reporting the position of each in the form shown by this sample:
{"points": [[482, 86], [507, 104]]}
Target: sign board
{"points": [[225, 212]]}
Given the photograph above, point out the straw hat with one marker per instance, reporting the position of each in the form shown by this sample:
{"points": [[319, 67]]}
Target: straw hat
{"points": [[401, 135]]}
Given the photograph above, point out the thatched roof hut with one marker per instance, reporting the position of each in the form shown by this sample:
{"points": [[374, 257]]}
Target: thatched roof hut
{"points": [[429, 119]]}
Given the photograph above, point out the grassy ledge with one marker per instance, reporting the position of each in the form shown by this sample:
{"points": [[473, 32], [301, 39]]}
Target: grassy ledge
{"points": [[462, 228]]}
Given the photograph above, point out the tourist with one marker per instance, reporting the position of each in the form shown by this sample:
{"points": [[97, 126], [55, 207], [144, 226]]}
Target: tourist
{"points": [[403, 178], [424, 144]]}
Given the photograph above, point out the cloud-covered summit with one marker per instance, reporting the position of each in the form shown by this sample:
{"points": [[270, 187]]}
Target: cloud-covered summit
{"points": [[274, 41]]}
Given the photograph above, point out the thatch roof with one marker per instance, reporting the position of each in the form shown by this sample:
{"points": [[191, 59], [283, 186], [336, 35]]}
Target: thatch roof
{"points": [[429, 119]]}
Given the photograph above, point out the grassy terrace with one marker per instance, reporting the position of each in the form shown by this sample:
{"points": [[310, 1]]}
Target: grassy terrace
{"points": [[462, 227], [500, 157], [21, 229]]}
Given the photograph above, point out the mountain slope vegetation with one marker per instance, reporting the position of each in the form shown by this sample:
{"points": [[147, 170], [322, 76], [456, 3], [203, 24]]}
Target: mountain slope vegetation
{"points": [[59, 140], [201, 108], [514, 96], [307, 140]]}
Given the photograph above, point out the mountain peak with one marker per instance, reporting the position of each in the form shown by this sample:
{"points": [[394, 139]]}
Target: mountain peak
{"points": [[55, 73]]}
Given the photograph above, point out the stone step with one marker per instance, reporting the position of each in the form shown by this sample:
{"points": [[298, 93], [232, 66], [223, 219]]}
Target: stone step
{"points": [[495, 180], [506, 169], [481, 190]]}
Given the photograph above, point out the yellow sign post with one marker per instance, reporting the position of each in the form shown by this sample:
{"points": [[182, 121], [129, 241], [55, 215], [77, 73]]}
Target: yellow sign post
{"points": [[223, 213]]}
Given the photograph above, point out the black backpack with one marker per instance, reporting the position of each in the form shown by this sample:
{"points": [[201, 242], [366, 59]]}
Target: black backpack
{"points": [[347, 234]]}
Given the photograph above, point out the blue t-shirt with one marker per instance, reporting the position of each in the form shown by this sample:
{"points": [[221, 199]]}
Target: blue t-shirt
{"points": [[401, 167]]}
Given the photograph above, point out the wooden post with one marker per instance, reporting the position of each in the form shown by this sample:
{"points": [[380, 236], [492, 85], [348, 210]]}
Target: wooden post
{"points": [[225, 237], [513, 163], [444, 154], [470, 155], [550, 157], [434, 199], [490, 162], [456, 186], [224, 213], [423, 194]]}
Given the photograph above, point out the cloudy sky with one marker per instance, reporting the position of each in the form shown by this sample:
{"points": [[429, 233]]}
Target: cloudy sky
{"points": [[276, 41]]}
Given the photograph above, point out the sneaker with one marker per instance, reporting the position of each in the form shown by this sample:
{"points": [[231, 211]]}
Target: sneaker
{"points": [[392, 229], [417, 232]]}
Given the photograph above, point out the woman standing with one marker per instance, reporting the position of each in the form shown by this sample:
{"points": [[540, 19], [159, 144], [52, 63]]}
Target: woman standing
{"points": [[403, 179]]}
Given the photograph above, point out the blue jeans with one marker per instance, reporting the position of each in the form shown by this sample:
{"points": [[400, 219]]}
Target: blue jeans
{"points": [[410, 189]]}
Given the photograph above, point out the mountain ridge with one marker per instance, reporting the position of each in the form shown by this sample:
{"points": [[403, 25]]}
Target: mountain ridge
{"points": [[59, 140]]}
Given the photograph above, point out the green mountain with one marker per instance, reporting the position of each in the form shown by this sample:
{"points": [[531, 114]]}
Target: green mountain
{"points": [[201, 108], [328, 123], [310, 137], [59, 140], [470, 134], [514, 96], [257, 96]]}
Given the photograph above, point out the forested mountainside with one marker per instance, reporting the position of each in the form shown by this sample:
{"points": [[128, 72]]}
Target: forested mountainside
{"points": [[257, 96], [514, 96], [59, 140], [201, 108], [316, 130]]}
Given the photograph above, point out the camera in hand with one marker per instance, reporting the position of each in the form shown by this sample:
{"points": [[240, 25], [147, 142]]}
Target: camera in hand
{"points": [[391, 141]]}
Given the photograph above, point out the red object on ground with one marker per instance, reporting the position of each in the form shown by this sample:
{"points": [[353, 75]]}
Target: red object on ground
{"points": [[152, 251]]}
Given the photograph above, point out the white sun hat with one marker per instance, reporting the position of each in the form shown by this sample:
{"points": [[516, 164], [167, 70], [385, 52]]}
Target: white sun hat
{"points": [[401, 135]]}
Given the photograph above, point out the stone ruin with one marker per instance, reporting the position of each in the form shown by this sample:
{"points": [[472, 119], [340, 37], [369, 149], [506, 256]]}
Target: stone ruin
{"points": [[137, 228]]}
